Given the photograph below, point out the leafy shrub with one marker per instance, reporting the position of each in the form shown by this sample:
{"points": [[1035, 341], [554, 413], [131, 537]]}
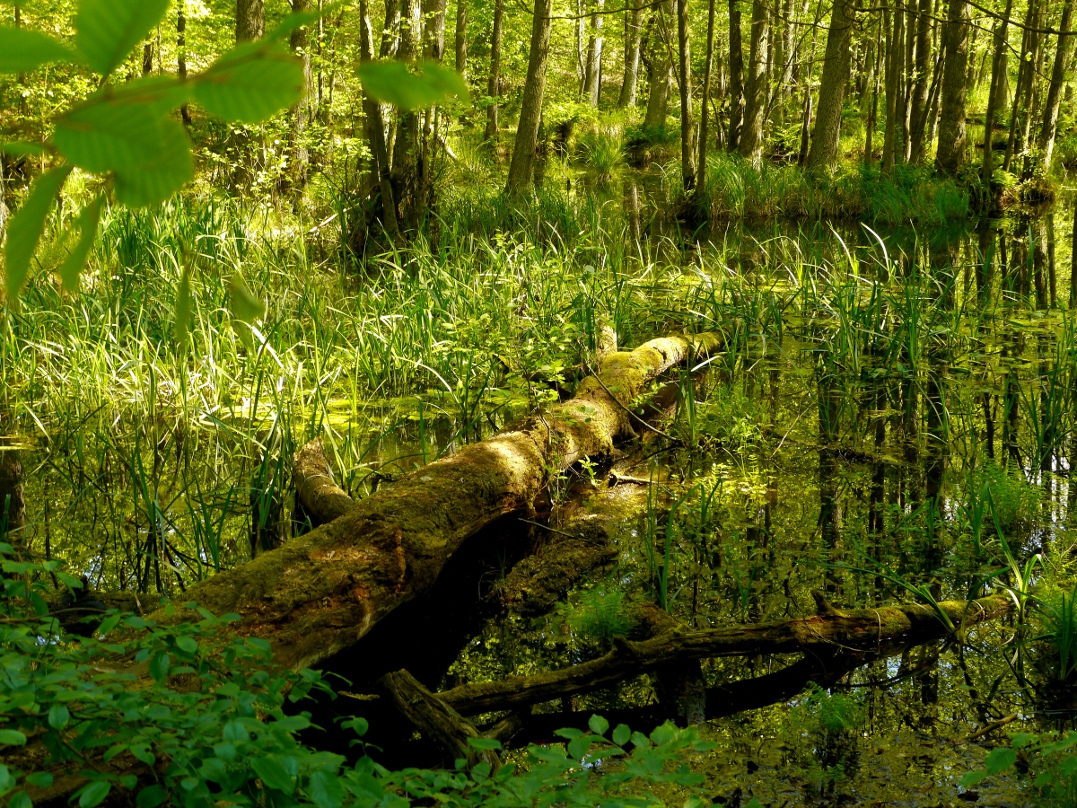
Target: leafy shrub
{"points": [[600, 615], [201, 714]]}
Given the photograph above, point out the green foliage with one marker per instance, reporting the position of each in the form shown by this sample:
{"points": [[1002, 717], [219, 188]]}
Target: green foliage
{"points": [[210, 722], [600, 615], [1053, 764], [421, 85], [22, 50], [602, 150], [832, 721]]}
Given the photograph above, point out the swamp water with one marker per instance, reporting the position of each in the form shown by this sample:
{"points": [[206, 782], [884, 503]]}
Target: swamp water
{"points": [[896, 418]]}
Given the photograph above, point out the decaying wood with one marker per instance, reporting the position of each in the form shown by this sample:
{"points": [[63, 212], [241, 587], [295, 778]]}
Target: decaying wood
{"points": [[437, 721], [315, 487], [852, 630], [321, 592]]}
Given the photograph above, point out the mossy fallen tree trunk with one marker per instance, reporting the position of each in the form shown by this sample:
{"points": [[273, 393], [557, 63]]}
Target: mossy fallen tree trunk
{"points": [[852, 630], [322, 592]]}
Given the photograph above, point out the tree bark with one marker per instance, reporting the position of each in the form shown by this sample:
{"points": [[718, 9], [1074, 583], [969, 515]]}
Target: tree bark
{"points": [[12, 502], [825, 141], [659, 67], [461, 38], [592, 84], [854, 630], [1051, 106], [921, 76], [320, 593], [315, 487], [633, 18], [493, 84], [704, 106], [301, 112], [951, 155], [755, 88], [995, 93], [688, 155], [736, 78], [523, 152], [250, 20]]}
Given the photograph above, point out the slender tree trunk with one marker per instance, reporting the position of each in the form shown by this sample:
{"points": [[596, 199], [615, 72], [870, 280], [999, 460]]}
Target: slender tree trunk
{"points": [[592, 84], [523, 152], [755, 88], [892, 136], [660, 67], [375, 130], [952, 147], [704, 106], [250, 20], [633, 18], [825, 137], [1022, 96], [181, 52], [921, 70], [1051, 106], [301, 113], [688, 153], [461, 38], [736, 78], [493, 84], [995, 93], [405, 172]]}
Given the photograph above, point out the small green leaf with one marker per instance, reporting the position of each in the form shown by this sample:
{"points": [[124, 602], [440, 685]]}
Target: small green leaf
{"points": [[578, 747], [39, 780], [484, 743], [12, 737], [27, 226], [1000, 759], [163, 173], [428, 83], [251, 83], [159, 665], [598, 724], [972, 778], [273, 775], [151, 796], [325, 790], [187, 644], [94, 793], [22, 50], [621, 734], [20, 800], [107, 30], [245, 306], [59, 716], [86, 224]]}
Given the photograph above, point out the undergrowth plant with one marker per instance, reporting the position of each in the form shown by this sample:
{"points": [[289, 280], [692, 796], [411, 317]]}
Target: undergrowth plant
{"points": [[185, 713]]}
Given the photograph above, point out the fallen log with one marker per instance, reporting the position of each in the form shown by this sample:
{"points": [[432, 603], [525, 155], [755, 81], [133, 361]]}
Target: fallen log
{"points": [[315, 487], [321, 592], [852, 630]]}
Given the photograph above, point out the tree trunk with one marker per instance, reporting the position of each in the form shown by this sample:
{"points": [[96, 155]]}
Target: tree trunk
{"points": [[736, 78], [1051, 106], [405, 173], [995, 94], [493, 83], [633, 18], [825, 137], [523, 151], [952, 148], [704, 106], [461, 38], [301, 112], [592, 82], [320, 593], [375, 131], [250, 20], [12, 503], [921, 76], [892, 135], [755, 88], [181, 53], [688, 154], [659, 67]]}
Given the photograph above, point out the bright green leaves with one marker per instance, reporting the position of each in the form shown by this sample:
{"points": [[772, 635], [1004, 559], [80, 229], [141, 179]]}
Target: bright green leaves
{"points": [[27, 226], [245, 306], [107, 30], [251, 83], [425, 84], [130, 133], [22, 50]]}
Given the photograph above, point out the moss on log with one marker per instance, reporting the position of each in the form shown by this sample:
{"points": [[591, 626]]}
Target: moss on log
{"points": [[851, 630], [320, 593]]}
